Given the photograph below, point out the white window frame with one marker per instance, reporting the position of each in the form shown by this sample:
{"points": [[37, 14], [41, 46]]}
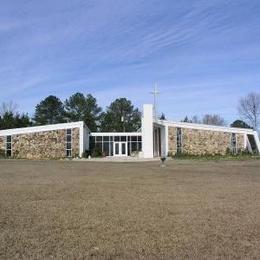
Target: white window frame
{"points": [[6, 143], [69, 150]]}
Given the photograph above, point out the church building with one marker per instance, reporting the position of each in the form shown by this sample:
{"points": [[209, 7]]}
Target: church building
{"points": [[156, 138]]}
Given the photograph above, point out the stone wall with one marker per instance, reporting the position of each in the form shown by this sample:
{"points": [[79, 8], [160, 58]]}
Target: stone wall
{"points": [[2, 146], [75, 142], [172, 137], [201, 142], [44, 145]]}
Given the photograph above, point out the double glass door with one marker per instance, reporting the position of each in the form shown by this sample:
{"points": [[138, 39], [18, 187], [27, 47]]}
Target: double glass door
{"points": [[120, 148]]}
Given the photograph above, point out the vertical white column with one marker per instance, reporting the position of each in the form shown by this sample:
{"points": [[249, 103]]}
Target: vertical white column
{"points": [[257, 141], [81, 139], [147, 131], [245, 141]]}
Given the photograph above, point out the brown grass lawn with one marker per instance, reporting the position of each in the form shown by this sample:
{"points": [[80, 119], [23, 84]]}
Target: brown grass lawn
{"points": [[74, 210]]}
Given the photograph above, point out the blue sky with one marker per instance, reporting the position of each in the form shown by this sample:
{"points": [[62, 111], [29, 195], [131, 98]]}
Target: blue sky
{"points": [[203, 54]]}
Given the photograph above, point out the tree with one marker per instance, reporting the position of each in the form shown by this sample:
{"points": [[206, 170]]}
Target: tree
{"points": [[162, 117], [195, 120], [213, 120], [249, 109], [10, 120], [50, 111], [186, 119], [83, 108], [8, 107], [240, 124], [121, 116]]}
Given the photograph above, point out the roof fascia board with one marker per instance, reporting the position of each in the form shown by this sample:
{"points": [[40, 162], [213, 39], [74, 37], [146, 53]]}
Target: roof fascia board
{"points": [[45, 128], [115, 133], [207, 127]]}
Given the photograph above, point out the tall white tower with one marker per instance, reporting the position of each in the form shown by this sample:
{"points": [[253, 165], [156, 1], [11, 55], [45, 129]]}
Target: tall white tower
{"points": [[147, 131]]}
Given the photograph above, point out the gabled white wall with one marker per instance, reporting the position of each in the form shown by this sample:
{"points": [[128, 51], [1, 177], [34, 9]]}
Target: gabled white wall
{"points": [[147, 131]]}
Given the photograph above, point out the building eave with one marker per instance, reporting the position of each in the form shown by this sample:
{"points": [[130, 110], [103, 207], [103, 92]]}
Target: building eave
{"points": [[44, 128], [205, 127]]}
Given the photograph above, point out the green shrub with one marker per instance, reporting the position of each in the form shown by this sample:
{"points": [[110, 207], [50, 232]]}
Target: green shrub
{"points": [[240, 155], [2, 153], [96, 152], [85, 154]]}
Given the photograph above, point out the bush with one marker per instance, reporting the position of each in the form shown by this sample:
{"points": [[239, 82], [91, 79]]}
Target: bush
{"points": [[85, 154], [2, 153], [96, 152], [240, 155]]}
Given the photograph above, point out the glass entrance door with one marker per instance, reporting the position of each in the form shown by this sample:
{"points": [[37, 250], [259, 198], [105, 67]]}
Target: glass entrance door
{"points": [[120, 148]]}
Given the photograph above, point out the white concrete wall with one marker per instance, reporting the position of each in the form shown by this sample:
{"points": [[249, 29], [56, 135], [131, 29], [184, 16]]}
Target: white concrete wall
{"points": [[164, 140], [147, 131], [86, 138]]}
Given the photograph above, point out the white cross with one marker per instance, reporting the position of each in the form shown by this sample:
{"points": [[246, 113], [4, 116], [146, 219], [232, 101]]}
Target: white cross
{"points": [[155, 93]]}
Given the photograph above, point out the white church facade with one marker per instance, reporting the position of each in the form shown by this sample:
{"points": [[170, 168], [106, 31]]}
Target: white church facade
{"points": [[156, 138]]}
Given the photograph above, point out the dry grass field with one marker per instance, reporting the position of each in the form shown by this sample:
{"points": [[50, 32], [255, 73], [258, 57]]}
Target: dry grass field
{"points": [[76, 210]]}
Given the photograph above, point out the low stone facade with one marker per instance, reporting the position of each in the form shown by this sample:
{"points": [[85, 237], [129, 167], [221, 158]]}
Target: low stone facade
{"points": [[202, 142], [44, 145], [75, 142], [2, 146]]}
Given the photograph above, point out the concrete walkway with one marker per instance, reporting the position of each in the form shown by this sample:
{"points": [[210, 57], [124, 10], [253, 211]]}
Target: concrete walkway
{"points": [[117, 159]]}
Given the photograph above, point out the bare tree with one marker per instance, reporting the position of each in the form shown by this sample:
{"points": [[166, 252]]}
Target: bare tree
{"points": [[8, 107], [195, 119], [249, 109], [213, 120]]}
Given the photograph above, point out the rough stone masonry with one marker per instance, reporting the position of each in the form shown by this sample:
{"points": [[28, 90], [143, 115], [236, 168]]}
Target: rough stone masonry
{"points": [[201, 142], [42, 145]]}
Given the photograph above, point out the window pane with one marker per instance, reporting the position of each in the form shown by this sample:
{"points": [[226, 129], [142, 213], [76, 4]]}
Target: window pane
{"points": [[111, 148], [123, 138], [68, 138], [8, 153], [139, 146], [123, 147], [117, 138], [69, 154], [117, 148], [105, 138], [106, 148], [111, 138], [9, 139], [99, 146], [134, 138], [68, 145], [98, 138], [8, 146], [179, 140], [68, 131], [129, 148], [133, 147]]}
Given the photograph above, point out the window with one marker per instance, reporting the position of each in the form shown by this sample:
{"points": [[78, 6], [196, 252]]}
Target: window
{"points": [[105, 144], [98, 138], [68, 143], [179, 141], [134, 138], [233, 143], [105, 138], [8, 146]]}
